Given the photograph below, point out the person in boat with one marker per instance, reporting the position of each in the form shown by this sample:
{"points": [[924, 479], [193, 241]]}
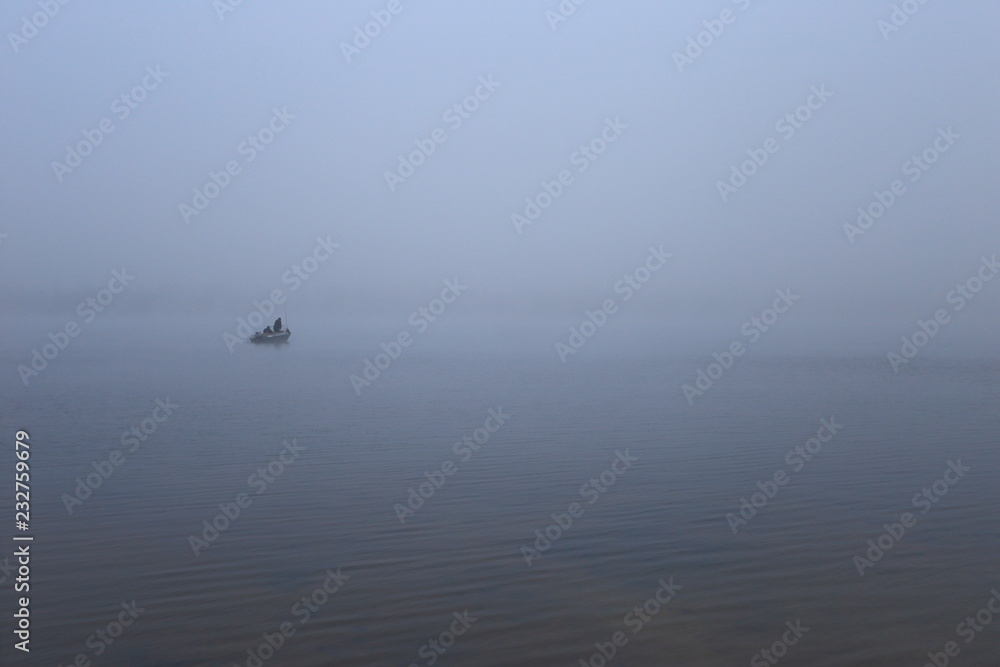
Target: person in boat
{"points": [[267, 330], [277, 325]]}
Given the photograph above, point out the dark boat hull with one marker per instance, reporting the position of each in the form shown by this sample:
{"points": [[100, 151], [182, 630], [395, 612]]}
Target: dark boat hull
{"points": [[273, 339]]}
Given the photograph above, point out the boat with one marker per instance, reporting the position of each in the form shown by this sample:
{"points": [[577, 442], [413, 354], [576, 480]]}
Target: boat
{"points": [[274, 334]]}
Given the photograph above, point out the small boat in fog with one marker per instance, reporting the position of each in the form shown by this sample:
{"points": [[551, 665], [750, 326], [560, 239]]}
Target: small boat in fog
{"points": [[273, 334]]}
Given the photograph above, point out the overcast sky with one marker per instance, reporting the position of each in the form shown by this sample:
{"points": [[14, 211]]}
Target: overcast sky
{"points": [[346, 115]]}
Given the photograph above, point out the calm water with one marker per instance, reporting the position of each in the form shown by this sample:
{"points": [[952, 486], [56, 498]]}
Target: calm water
{"points": [[664, 517]]}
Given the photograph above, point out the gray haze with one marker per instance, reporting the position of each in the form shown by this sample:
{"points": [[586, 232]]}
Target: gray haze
{"points": [[656, 185]]}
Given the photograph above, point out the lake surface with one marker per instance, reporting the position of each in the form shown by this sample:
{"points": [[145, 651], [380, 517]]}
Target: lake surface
{"points": [[666, 475]]}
